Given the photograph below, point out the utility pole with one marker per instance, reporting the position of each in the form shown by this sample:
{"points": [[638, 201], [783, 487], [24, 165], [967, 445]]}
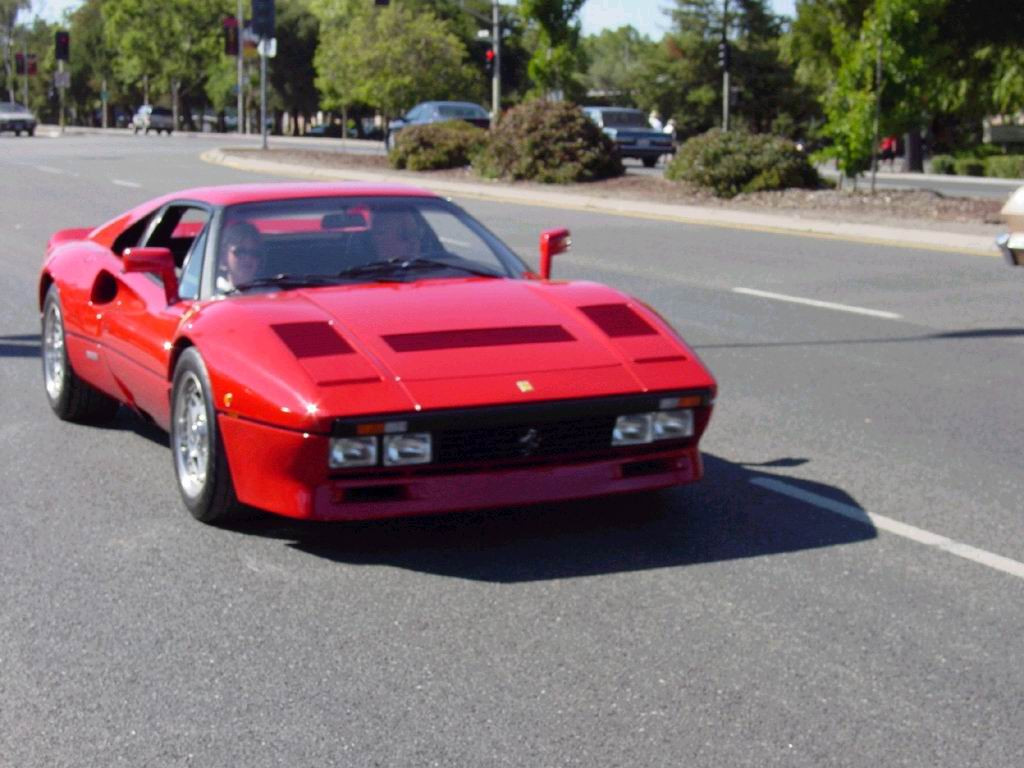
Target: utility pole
{"points": [[725, 59], [238, 101]]}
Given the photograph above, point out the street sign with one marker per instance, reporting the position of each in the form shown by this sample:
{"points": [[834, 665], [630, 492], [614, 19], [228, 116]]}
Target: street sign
{"points": [[267, 47], [62, 79]]}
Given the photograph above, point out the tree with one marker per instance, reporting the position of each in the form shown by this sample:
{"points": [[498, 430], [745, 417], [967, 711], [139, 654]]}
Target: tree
{"points": [[388, 58], [617, 61], [8, 18], [292, 72], [558, 58], [173, 43]]}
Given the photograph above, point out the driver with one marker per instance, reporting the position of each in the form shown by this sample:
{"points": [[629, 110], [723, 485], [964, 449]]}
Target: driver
{"points": [[241, 256]]}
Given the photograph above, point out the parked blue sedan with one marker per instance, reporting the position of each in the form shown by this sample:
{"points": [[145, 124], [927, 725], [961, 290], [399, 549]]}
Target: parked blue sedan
{"points": [[438, 112]]}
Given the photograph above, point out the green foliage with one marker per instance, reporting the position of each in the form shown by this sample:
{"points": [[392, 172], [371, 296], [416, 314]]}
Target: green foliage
{"points": [[550, 142], [616, 60], [737, 161], [388, 58], [428, 147], [558, 57], [1005, 166], [944, 164], [969, 166]]}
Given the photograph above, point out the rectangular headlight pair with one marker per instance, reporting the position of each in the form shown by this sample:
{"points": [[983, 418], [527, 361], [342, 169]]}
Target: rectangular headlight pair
{"points": [[389, 450], [640, 428]]}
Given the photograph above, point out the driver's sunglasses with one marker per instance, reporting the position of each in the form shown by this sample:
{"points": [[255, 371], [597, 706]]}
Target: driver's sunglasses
{"points": [[246, 252]]}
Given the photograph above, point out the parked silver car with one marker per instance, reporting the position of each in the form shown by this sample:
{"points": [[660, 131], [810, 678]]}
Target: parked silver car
{"points": [[1012, 243], [149, 118], [14, 117]]}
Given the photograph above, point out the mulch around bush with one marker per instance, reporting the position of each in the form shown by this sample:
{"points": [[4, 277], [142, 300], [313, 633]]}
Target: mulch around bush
{"points": [[913, 208]]}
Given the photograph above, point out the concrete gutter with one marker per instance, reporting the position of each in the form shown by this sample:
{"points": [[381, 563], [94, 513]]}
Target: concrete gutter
{"points": [[921, 239]]}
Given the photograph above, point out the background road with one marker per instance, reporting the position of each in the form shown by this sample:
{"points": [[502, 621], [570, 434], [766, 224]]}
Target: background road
{"points": [[794, 608]]}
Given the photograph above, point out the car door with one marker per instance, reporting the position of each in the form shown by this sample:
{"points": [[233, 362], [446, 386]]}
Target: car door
{"points": [[138, 326]]}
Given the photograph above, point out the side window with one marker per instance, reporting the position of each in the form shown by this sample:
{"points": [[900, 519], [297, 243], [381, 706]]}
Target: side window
{"points": [[188, 287], [177, 229]]}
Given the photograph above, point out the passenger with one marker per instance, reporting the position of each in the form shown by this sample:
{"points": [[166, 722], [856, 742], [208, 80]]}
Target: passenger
{"points": [[396, 234], [241, 256]]}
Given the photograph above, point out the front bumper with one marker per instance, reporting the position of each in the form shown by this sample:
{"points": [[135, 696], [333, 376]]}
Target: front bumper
{"points": [[284, 472], [18, 124]]}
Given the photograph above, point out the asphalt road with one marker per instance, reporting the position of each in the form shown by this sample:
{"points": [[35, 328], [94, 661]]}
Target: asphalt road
{"points": [[795, 608]]}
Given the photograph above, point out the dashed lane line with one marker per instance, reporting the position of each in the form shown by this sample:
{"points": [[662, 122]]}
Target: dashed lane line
{"points": [[820, 304]]}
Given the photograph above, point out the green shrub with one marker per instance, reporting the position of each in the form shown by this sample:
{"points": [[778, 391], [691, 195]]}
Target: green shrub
{"points": [[1005, 166], [969, 166], [437, 145], [944, 164], [551, 142], [737, 161]]}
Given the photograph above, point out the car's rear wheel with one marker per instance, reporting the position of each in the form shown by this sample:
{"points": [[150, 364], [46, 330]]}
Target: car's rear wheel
{"points": [[650, 162], [70, 398], [200, 464]]}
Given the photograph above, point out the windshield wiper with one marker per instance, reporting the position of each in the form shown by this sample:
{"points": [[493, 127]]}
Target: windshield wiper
{"points": [[392, 266], [284, 280]]}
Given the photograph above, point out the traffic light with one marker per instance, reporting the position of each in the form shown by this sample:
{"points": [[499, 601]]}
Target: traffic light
{"points": [[489, 61], [31, 64], [19, 64], [724, 55], [63, 43], [263, 18], [230, 36]]}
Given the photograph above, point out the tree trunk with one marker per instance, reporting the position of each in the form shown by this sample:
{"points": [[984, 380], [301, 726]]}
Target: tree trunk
{"points": [[913, 157]]}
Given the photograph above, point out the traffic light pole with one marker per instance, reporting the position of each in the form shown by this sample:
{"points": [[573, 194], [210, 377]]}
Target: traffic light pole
{"points": [[60, 68], [263, 92], [496, 75], [725, 54], [24, 81]]}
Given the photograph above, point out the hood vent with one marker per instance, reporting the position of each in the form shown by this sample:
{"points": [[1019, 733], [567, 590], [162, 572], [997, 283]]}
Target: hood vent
{"points": [[477, 337], [316, 339], [618, 320]]}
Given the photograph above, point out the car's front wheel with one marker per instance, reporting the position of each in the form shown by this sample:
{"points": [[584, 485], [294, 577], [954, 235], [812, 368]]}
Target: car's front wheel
{"points": [[650, 162], [70, 398], [200, 464]]}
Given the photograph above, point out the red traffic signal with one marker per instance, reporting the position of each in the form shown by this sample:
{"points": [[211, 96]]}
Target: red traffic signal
{"points": [[31, 64], [489, 61], [63, 45], [230, 25]]}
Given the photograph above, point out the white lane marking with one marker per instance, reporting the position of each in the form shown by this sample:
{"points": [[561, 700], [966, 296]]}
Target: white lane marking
{"points": [[123, 183], [48, 169], [820, 304], [895, 527]]}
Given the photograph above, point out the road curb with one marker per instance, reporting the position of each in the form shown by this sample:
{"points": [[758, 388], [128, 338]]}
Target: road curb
{"points": [[917, 239]]}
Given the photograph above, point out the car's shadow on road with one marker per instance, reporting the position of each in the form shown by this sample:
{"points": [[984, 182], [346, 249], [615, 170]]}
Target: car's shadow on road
{"points": [[724, 517]]}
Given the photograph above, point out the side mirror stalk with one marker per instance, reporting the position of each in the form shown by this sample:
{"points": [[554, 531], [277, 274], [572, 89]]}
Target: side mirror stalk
{"points": [[552, 242]]}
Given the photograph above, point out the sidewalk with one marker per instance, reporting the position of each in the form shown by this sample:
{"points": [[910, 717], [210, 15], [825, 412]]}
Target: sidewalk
{"points": [[906, 237]]}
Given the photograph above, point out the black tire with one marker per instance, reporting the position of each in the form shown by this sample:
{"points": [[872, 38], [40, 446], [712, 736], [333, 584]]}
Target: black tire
{"points": [[70, 397], [31, 131], [649, 162], [17, 134], [201, 470]]}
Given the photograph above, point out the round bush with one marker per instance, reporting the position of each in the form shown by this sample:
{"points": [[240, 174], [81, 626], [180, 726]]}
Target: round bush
{"points": [[944, 164], [1005, 166], [970, 166], [737, 161], [551, 142], [437, 145]]}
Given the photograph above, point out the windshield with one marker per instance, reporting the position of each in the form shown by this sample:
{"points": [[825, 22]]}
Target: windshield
{"points": [[339, 240], [624, 118], [10, 106]]}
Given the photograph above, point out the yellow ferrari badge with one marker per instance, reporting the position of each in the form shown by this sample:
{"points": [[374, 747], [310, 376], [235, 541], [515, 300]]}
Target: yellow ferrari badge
{"points": [[524, 386]]}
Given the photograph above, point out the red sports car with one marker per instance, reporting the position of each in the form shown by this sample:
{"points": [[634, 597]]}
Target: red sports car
{"points": [[342, 352]]}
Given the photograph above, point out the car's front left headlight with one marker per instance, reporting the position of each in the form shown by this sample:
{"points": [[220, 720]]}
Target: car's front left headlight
{"points": [[641, 428], [410, 448]]}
